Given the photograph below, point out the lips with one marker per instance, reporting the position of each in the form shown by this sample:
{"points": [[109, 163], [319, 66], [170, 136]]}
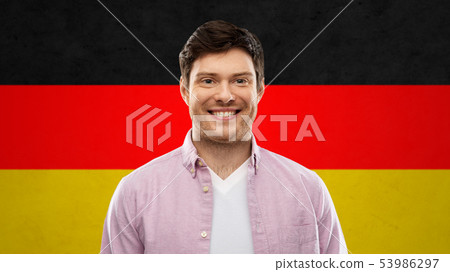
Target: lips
{"points": [[224, 112]]}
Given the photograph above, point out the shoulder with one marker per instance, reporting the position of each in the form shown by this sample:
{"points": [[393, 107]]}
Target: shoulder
{"points": [[300, 180], [154, 171], [290, 171], [279, 164]]}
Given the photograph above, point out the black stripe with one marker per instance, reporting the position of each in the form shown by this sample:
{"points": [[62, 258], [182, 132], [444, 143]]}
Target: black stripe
{"points": [[79, 42]]}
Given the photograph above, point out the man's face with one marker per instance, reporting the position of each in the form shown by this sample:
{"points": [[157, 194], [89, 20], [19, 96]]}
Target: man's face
{"points": [[222, 95]]}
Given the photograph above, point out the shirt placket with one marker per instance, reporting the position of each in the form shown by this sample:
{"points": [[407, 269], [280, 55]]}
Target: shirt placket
{"points": [[201, 174], [259, 234]]}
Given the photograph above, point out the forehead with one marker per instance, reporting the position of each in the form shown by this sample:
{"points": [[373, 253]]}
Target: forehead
{"points": [[235, 60]]}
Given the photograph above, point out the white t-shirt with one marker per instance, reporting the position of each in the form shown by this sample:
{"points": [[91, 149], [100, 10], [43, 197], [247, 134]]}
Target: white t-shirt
{"points": [[231, 229]]}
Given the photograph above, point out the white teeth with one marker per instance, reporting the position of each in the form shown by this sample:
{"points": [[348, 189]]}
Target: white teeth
{"points": [[224, 113]]}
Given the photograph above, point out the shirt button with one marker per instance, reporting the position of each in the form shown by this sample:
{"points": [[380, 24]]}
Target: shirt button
{"points": [[200, 163], [204, 234], [192, 170], [205, 189]]}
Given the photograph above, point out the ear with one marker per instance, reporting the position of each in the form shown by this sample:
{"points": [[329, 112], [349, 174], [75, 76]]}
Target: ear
{"points": [[184, 91], [260, 92]]}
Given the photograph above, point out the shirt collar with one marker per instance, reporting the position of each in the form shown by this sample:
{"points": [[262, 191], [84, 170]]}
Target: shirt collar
{"points": [[191, 160]]}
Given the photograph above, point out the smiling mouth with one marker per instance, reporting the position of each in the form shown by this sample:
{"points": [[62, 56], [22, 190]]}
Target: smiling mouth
{"points": [[227, 113]]}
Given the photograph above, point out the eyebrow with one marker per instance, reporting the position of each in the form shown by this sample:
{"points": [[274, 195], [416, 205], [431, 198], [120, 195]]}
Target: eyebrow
{"points": [[215, 74]]}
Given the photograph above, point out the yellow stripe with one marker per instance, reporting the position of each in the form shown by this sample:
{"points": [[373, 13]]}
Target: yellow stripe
{"points": [[54, 211], [381, 211], [392, 211]]}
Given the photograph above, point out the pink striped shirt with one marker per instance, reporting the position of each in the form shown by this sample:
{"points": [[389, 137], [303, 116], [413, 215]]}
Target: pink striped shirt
{"points": [[166, 206]]}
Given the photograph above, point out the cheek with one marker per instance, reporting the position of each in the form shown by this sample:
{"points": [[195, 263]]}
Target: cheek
{"points": [[250, 100], [199, 97], [242, 96]]}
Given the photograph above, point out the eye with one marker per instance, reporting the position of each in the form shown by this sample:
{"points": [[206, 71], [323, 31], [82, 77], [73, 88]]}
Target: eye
{"points": [[207, 81], [241, 81]]}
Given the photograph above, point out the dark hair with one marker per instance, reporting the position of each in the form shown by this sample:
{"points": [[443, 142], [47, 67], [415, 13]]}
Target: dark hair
{"points": [[218, 36]]}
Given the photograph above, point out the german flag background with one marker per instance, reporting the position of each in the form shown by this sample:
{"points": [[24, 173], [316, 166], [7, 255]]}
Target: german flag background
{"points": [[376, 81]]}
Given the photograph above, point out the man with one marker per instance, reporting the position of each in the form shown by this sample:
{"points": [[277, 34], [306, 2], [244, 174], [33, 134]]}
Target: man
{"points": [[219, 192]]}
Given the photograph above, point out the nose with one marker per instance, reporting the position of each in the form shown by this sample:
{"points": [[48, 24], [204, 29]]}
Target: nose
{"points": [[224, 93]]}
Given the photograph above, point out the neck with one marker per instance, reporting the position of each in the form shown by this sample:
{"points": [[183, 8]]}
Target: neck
{"points": [[223, 158]]}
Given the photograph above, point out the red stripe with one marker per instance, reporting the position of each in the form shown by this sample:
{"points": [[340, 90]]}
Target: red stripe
{"points": [[84, 127]]}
